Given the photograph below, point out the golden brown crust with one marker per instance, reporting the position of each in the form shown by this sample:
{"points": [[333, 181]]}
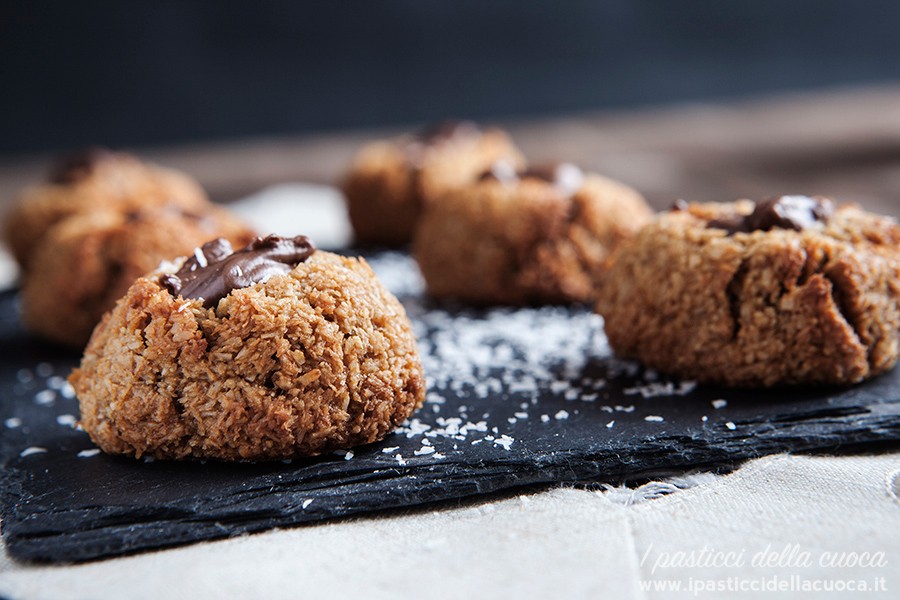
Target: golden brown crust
{"points": [[819, 306], [320, 359], [86, 262], [386, 190], [117, 182], [501, 243]]}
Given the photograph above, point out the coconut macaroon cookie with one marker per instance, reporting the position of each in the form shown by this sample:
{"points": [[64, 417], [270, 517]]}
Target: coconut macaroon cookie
{"points": [[93, 179], [270, 352], [788, 290], [539, 235], [88, 261], [391, 181]]}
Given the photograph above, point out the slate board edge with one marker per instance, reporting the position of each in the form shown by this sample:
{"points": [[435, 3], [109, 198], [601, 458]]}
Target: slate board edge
{"points": [[116, 539]]}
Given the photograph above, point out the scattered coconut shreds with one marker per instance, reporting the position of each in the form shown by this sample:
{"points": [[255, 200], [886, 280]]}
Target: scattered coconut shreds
{"points": [[400, 460], [66, 420], [654, 418], [720, 403], [655, 389], [561, 415], [390, 450], [730, 425], [88, 453], [424, 450], [67, 391], [348, 455], [545, 418], [610, 424], [32, 450], [306, 503], [13, 422], [704, 418]]}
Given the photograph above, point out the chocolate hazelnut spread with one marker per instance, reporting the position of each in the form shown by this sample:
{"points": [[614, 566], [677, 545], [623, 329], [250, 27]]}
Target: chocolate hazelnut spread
{"points": [[215, 270], [779, 212]]}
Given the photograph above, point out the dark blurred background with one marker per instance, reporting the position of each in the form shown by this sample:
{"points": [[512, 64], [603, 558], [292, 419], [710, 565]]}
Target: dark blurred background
{"points": [[148, 73]]}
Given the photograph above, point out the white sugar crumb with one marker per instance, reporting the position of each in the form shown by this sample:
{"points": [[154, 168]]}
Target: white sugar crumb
{"points": [[88, 453], [624, 409], [13, 422], [704, 418], [400, 460], [717, 404], [561, 415], [610, 424], [348, 455], [730, 426], [655, 389], [505, 441], [654, 418], [32, 450], [390, 450], [545, 418], [66, 420], [67, 391], [306, 503], [511, 420], [424, 450], [521, 415], [45, 397]]}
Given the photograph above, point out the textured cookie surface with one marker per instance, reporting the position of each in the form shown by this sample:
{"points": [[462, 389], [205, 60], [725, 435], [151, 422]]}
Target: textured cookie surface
{"points": [[708, 293], [391, 181], [316, 360], [525, 240], [91, 180], [87, 262]]}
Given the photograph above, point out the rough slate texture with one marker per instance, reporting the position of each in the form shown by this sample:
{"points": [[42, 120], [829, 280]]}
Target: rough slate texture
{"points": [[516, 397]]}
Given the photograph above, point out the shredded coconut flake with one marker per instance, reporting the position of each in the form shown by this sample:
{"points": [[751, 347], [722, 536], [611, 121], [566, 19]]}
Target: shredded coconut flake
{"points": [[66, 420], [88, 453], [654, 418], [45, 397], [730, 426], [32, 450], [720, 403], [13, 422], [561, 415]]}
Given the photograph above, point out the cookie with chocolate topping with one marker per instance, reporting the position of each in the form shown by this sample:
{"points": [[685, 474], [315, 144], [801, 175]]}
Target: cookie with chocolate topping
{"points": [[271, 352], [94, 179], [87, 262], [787, 290], [542, 234], [391, 181]]}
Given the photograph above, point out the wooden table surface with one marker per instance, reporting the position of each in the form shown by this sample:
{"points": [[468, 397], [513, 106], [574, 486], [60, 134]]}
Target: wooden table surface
{"points": [[844, 143]]}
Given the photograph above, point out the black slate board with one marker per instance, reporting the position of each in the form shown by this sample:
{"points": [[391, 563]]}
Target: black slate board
{"points": [[516, 398]]}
